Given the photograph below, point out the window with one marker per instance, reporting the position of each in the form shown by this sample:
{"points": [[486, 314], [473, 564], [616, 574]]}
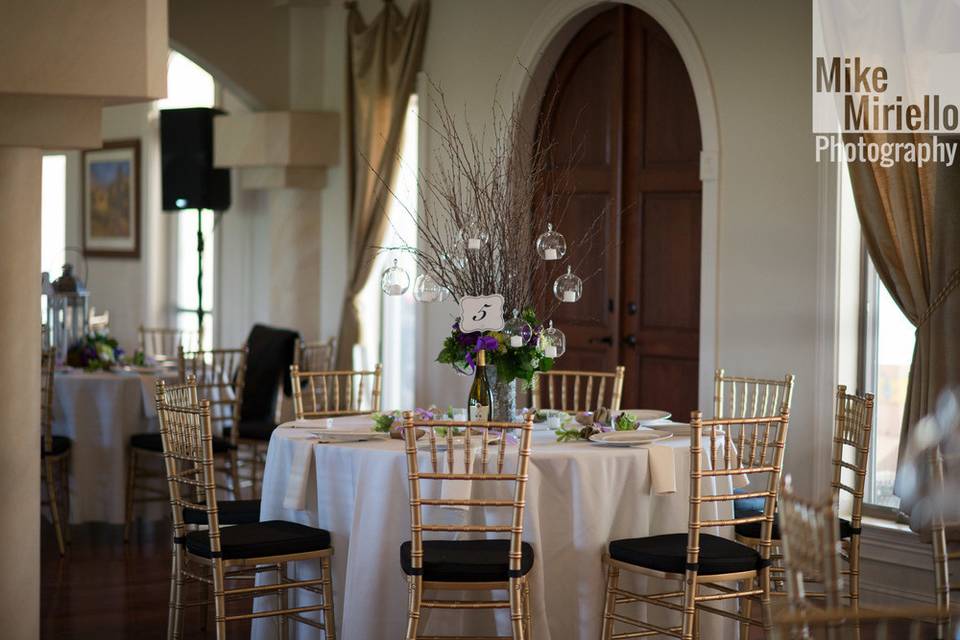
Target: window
{"points": [[885, 354], [188, 85], [388, 334], [889, 340]]}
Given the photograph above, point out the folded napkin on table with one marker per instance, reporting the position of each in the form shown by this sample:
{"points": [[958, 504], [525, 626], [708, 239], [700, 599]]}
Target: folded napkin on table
{"points": [[301, 462], [663, 469]]}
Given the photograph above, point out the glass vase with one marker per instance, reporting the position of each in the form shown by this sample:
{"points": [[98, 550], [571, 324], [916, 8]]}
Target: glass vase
{"points": [[504, 399]]}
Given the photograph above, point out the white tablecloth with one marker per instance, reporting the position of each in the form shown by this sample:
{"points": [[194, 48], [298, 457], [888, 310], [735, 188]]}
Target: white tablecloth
{"points": [[99, 411], [579, 497]]}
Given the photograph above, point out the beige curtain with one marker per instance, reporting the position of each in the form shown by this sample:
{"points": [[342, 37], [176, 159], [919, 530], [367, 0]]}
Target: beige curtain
{"points": [[383, 59], [910, 217]]}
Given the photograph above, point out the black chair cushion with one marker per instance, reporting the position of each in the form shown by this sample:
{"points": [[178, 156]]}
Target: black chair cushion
{"points": [[254, 430], [466, 560], [752, 529], [60, 444], [260, 540], [668, 553], [153, 442], [228, 512]]}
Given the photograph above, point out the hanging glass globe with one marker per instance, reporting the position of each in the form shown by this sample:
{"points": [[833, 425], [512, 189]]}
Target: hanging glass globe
{"points": [[551, 244], [568, 287], [553, 343], [474, 237], [426, 289], [517, 331], [394, 281]]}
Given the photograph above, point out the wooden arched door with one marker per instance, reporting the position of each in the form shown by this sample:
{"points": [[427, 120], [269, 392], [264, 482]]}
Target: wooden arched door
{"points": [[621, 113]]}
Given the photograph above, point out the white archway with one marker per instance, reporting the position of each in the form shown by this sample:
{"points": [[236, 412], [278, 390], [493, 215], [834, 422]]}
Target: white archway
{"points": [[537, 55]]}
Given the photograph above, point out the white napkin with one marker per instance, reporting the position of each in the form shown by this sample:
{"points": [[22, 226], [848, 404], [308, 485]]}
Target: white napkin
{"points": [[663, 469], [300, 465]]}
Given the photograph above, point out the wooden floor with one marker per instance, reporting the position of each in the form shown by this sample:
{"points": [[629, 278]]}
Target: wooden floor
{"points": [[105, 590]]}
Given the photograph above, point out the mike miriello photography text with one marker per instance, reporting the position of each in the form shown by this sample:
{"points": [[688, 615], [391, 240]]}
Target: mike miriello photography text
{"points": [[866, 108]]}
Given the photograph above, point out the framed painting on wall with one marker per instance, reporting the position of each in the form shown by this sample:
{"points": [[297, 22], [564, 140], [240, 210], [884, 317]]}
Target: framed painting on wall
{"points": [[111, 200]]}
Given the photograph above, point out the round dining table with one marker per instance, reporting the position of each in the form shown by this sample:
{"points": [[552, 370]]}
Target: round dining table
{"points": [[579, 497], [99, 411]]}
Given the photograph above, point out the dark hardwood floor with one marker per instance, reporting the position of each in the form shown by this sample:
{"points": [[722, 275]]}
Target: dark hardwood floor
{"points": [[103, 589]]}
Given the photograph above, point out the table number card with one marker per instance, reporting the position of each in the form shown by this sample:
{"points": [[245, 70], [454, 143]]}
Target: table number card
{"points": [[481, 313]]}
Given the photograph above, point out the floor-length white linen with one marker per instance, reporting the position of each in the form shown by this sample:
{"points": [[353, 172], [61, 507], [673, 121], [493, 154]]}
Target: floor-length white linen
{"points": [[99, 411], [579, 497]]}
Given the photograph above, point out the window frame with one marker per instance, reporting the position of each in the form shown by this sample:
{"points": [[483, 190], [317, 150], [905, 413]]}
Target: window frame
{"points": [[867, 375]]}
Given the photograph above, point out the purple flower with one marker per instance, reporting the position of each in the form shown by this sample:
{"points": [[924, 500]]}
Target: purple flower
{"points": [[487, 343]]}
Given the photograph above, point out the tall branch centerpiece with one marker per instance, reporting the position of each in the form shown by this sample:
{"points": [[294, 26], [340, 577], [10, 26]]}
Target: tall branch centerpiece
{"points": [[486, 232]]}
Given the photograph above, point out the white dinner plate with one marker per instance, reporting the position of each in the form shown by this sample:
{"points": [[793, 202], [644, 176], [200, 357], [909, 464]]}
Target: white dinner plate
{"points": [[629, 438], [674, 428], [646, 416], [348, 435], [140, 369]]}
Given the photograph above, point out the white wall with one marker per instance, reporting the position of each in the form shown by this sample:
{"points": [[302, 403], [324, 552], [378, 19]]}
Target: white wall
{"points": [[131, 289]]}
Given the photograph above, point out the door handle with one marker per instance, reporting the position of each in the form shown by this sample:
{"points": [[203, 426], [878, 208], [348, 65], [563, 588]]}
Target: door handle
{"points": [[630, 340], [607, 340]]}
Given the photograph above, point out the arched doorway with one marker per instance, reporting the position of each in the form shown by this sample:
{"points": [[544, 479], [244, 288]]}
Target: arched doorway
{"points": [[620, 109]]}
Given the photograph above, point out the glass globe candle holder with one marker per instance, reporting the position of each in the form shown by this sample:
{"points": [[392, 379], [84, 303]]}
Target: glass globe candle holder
{"points": [[551, 245], [517, 331], [568, 287], [474, 238], [553, 343], [394, 281], [426, 289]]}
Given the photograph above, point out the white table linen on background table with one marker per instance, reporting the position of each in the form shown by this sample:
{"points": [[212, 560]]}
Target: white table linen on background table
{"points": [[99, 411], [579, 497]]}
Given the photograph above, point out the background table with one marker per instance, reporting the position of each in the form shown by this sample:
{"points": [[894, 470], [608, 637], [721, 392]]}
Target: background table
{"points": [[579, 497], [99, 411]]}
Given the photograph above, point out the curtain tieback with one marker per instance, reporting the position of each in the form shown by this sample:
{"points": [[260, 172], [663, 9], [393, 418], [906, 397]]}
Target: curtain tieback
{"points": [[944, 293]]}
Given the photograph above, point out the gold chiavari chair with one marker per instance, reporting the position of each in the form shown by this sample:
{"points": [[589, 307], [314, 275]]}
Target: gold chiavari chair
{"points": [[55, 452], [315, 356], [219, 374], [327, 394], [851, 453], [811, 547], [467, 564], [574, 391], [229, 553], [737, 447], [161, 343], [944, 549]]}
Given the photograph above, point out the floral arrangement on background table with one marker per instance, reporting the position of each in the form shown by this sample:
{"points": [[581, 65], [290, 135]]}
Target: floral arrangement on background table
{"points": [[485, 227], [94, 352]]}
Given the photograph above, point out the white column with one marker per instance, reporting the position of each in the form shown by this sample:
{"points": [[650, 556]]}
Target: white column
{"points": [[20, 380]]}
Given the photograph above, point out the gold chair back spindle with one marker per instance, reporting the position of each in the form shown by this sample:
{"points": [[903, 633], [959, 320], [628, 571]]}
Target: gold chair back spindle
{"points": [[328, 394], [219, 376], [745, 397], [578, 390], [943, 522], [163, 343], [48, 365], [315, 356], [477, 464]]}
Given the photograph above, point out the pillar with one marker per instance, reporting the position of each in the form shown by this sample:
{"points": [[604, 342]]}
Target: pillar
{"points": [[19, 380]]}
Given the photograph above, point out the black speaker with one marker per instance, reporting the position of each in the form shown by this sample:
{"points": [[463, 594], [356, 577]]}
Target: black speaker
{"points": [[186, 146]]}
